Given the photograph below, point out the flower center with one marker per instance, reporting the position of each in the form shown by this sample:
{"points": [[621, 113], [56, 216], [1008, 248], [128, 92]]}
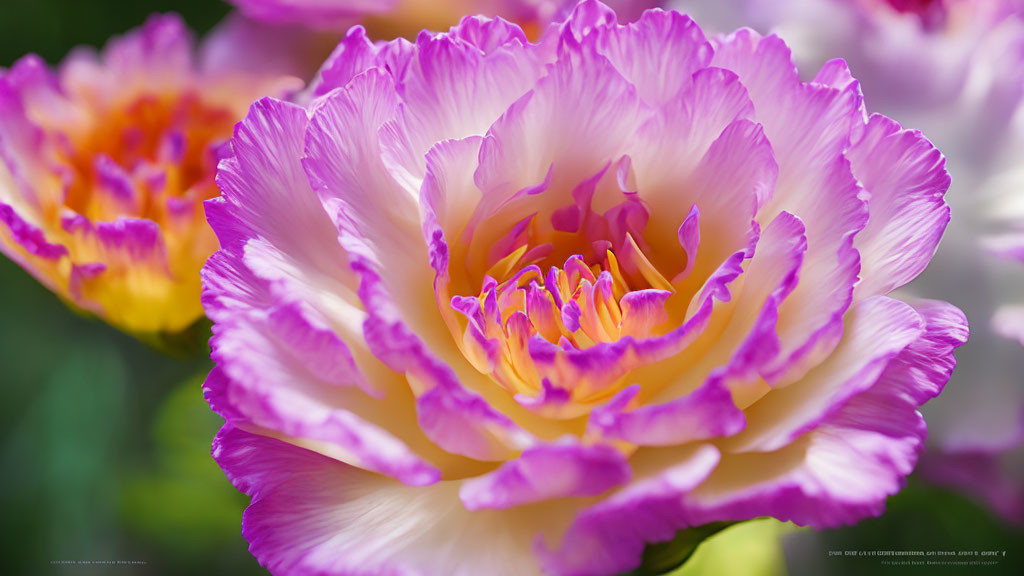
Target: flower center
{"points": [[142, 159], [559, 297], [515, 325]]}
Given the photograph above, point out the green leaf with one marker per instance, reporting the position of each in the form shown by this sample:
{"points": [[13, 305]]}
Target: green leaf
{"points": [[664, 557], [752, 548]]}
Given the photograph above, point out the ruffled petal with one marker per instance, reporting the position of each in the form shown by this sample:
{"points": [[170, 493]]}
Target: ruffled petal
{"points": [[354, 55], [122, 272], [844, 469], [701, 143], [906, 178], [610, 536], [252, 288], [659, 53], [344, 165], [457, 88], [562, 469], [811, 169], [265, 199], [458, 419], [377, 221], [27, 245], [740, 169], [708, 412], [689, 409], [879, 329], [581, 100], [258, 351], [448, 195], [311, 514]]}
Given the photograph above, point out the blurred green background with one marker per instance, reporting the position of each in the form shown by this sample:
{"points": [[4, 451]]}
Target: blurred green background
{"points": [[104, 443]]}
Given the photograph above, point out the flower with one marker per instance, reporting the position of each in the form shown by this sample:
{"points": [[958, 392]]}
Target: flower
{"points": [[390, 18], [954, 68], [915, 58], [105, 165], [495, 307]]}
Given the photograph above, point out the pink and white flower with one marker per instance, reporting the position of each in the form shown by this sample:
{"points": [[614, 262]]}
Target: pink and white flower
{"points": [[496, 307], [105, 163]]}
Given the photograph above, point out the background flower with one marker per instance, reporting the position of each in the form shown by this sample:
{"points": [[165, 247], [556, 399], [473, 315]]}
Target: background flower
{"points": [[955, 69], [390, 18], [106, 163], [496, 306]]}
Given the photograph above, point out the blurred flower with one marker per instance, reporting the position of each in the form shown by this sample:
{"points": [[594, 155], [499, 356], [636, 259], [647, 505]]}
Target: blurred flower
{"points": [[239, 43], [390, 18], [911, 53], [955, 69], [105, 165], [486, 298], [995, 478]]}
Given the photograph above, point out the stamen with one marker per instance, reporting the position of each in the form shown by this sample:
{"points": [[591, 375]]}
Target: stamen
{"points": [[576, 306]]}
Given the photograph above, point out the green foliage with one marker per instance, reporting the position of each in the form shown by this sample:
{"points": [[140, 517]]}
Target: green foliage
{"points": [[752, 548], [51, 28], [67, 434], [665, 557], [180, 499]]}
